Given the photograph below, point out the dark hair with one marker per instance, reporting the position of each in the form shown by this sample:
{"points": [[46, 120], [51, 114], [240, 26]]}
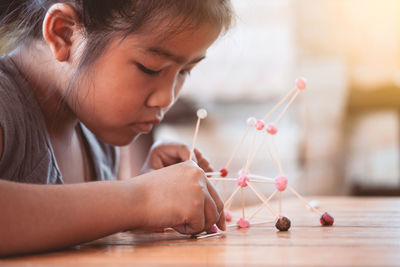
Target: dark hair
{"points": [[21, 21], [101, 20]]}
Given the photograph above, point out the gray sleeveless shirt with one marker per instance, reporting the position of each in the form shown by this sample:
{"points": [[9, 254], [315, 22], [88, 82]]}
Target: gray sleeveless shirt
{"points": [[27, 152]]}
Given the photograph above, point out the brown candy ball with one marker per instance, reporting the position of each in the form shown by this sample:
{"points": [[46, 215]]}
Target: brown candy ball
{"points": [[282, 224]]}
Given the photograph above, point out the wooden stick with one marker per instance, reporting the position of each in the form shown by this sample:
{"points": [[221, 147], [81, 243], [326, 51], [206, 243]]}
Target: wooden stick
{"points": [[277, 156], [195, 138], [262, 182], [256, 212], [272, 195], [255, 176], [305, 201], [272, 158], [242, 204], [222, 179], [280, 202], [262, 199], [237, 148], [209, 235], [232, 196], [250, 150], [259, 209], [279, 104], [286, 108], [262, 222], [258, 149]]}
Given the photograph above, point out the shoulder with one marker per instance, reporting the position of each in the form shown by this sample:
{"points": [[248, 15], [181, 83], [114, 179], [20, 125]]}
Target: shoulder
{"points": [[24, 151], [10, 102]]}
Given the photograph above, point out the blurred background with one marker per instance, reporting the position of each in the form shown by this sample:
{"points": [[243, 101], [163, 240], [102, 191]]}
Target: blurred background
{"points": [[341, 136]]}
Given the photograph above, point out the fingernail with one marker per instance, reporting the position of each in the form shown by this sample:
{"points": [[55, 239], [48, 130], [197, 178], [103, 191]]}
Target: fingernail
{"points": [[223, 226]]}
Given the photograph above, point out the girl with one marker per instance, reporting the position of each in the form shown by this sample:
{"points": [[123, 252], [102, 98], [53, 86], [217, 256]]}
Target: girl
{"points": [[83, 77]]}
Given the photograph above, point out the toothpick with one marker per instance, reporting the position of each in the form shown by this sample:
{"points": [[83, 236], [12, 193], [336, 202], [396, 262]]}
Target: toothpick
{"points": [[196, 131], [278, 161], [231, 197], [256, 212], [305, 201], [279, 104], [262, 199], [262, 222], [258, 149], [287, 107], [255, 176], [222, 179], [242, 203], [262, 181], [274, 161], [250, 150], [259, 209], [237, 148], [209, 235]]}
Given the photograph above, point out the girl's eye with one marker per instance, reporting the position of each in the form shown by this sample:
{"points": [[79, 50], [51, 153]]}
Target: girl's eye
{"points": [[147, 70]]}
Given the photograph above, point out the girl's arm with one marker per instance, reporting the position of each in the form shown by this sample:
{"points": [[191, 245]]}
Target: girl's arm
{"points": [[44, 217]]}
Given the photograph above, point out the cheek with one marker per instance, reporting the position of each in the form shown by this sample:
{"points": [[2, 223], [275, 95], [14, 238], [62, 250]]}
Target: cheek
{"points": [[112, 100]]}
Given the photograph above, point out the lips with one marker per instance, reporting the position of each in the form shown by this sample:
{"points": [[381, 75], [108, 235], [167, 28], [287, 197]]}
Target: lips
{"points": [[145, 126]]}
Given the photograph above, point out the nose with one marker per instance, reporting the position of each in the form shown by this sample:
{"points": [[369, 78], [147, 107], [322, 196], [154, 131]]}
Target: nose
{"points": [[164, 92]]}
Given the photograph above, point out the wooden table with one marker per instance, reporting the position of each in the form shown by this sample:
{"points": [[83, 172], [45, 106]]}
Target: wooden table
{"points": [[366, 232]]}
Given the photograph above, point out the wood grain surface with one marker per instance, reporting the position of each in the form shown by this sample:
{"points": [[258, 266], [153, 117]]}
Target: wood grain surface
{"points": [[366, 233]]}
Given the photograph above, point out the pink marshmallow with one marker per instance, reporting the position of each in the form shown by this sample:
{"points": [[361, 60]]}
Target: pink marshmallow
{"points": [[228, 216], [301, 83], [242, 223], [259, 125], [281, 183], [242, 180], [271, 129]]}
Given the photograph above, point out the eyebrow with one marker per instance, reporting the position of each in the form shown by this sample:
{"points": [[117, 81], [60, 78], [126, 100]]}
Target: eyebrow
{"points": [[178, 59]]}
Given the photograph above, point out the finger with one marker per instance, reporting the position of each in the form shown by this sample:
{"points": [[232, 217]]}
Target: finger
{"points": [[219, 204], [157, 163], [173, 154], [205, 165], [211, 214], [184, 153], [194, 223], [202, 161]]}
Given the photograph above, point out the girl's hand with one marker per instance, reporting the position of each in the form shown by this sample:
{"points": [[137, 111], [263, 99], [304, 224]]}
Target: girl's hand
{"points": [[163, 154], [178, 196]]}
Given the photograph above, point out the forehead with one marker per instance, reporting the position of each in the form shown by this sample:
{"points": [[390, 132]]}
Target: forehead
{"points": [[180, 45]]}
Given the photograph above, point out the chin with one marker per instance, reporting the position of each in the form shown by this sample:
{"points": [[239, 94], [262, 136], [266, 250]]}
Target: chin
{"points": [[121, 140]]}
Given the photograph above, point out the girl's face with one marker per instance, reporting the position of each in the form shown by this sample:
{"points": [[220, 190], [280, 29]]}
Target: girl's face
{"points": [[135, 82]]}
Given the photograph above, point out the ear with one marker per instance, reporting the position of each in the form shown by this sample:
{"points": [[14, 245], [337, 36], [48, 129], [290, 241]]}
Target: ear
{"points": [[59, 26]]}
